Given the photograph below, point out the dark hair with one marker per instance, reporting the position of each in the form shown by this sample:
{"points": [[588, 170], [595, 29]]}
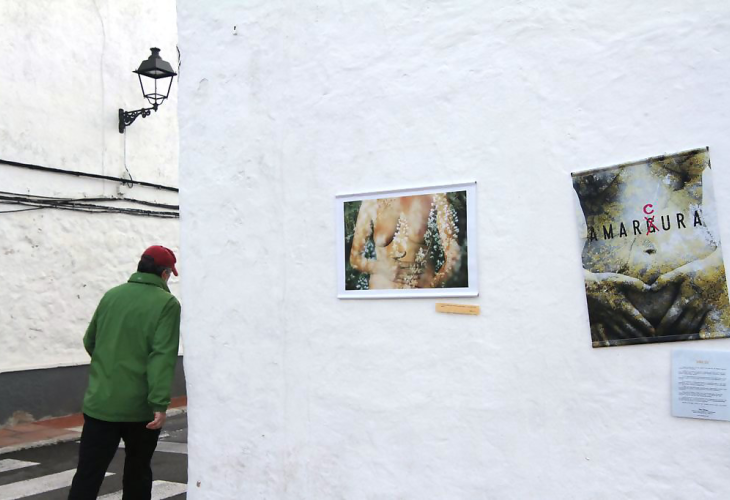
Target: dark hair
{"points": [[147, 265]]}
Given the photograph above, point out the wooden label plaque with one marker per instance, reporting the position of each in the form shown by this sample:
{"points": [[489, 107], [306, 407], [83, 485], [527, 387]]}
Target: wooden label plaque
{"points": [[443, 307]]}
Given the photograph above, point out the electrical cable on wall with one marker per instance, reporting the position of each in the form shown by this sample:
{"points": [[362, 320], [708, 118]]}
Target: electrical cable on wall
{"points": [[85, 205], [101, 198], [36, 202], [129, 184], [84, 174], [20, 210]]}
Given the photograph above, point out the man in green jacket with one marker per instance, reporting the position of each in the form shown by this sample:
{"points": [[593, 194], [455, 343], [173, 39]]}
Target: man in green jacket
{"points": [[133, 343]]}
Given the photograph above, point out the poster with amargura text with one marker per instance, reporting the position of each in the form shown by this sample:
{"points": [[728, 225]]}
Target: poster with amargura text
{"points": [[651, 253]]}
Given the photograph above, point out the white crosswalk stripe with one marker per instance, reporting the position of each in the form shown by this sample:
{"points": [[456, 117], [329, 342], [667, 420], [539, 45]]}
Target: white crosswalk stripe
{"points": [[160, 491], [10, 464], [32, 479], [168, 447], [43, 484]]}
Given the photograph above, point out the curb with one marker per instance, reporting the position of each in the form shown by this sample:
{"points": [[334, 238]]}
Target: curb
{"points": [[39, 444], [69, 437]]}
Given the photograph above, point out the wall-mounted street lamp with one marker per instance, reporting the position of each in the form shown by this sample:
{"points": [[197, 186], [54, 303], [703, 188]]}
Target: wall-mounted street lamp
{"points": [[155, 70]]}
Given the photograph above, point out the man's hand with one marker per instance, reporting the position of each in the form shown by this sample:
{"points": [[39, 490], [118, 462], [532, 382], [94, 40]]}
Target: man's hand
{"points": [[159, 421]]}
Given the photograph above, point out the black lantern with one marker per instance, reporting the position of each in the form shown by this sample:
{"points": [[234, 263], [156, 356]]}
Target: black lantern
{"points": [[156, 85]]}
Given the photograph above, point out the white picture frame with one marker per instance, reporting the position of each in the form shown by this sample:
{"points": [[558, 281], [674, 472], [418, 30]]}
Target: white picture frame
{"points": [[421, 265]]}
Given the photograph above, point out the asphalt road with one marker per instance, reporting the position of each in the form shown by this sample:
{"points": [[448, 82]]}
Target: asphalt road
{"points": [[46, 473]]}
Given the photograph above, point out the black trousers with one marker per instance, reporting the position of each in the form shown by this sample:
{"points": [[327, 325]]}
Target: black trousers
{"points": [[99, 442]]}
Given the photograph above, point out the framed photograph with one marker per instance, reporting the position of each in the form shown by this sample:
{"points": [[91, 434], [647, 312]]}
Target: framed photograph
{"points": [[407, 243], [652, 260]]}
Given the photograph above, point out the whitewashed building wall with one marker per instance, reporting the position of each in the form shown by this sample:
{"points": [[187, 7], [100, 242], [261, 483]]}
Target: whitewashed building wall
{"points": [[295, 394], [66, 70]]}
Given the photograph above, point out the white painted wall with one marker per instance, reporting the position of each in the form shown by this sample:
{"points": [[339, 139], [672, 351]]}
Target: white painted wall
{"points": [[297, 395], [66, 70]]}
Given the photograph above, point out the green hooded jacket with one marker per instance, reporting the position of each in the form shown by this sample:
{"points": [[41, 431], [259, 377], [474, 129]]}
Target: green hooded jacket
{"points": [[133, 342]]}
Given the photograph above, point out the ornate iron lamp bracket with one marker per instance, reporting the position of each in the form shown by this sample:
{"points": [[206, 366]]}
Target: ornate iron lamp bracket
{"points": [[126, 118]]}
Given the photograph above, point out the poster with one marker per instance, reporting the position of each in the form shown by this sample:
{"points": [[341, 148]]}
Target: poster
{"points": [[407, 243], [651, 253], [700, 384]]}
